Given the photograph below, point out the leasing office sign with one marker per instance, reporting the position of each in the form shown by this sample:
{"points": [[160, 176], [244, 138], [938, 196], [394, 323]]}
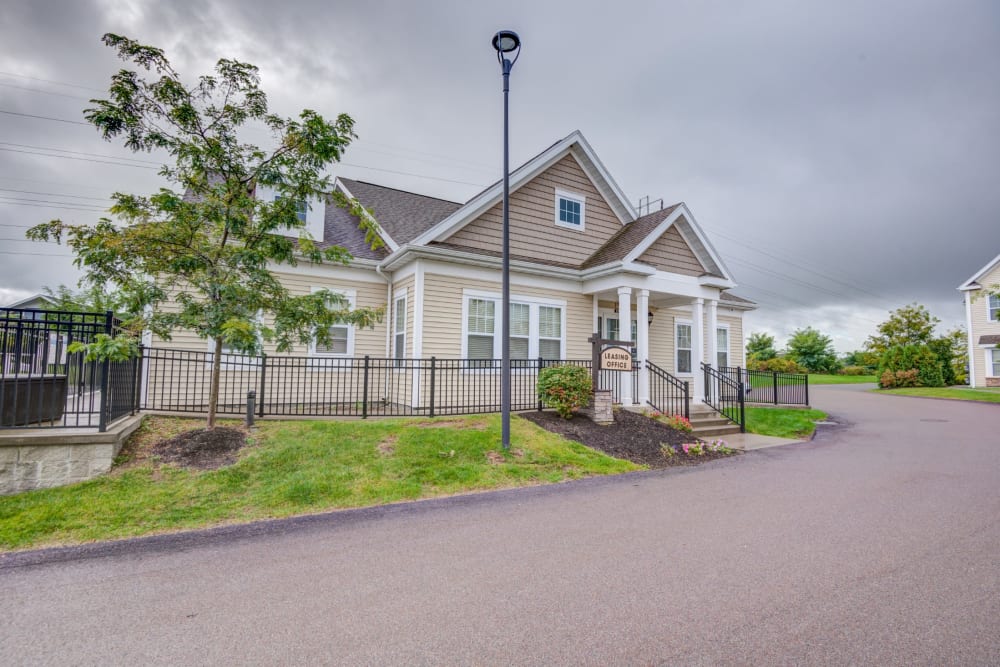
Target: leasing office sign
{"points": [[616, 359]]}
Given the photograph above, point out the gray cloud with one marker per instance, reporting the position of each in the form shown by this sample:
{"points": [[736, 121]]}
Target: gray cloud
{"points": [[843, 155]]}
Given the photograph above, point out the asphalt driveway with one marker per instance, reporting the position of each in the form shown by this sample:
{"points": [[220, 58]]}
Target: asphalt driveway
{"points": [[877, 543]]}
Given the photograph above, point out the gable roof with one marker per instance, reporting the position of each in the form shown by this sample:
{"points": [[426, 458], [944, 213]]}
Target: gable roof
{"points": [[341, 228], [574, 143], [732, 299], [973, 282], [627, 238], [23, 303], [402, 215]]}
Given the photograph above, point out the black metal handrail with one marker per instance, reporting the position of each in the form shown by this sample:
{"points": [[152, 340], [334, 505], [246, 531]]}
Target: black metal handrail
{"points": [[771, 386], [725, 394], [668, 394]]}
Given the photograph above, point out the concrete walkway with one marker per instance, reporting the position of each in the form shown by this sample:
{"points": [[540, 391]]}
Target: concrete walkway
{"points": [[877, 543]]}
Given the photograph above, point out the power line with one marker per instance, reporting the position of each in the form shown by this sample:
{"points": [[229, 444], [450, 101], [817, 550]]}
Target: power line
{"points": [[82, 159], [58, 83], [49, 201], [35, 254], [31, 115], [67, 208], [43, 92], [52, 194], [64, 150]]}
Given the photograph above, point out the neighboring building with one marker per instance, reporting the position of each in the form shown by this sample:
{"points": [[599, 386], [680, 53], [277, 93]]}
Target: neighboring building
{"points": [[40, 301], [982, 320], [582, 260]]}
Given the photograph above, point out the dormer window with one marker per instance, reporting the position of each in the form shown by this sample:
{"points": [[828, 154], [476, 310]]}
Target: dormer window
{"points": [[300, 208], [570, 209]]}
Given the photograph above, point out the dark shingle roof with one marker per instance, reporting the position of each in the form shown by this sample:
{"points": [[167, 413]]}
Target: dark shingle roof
{"points": [[497, 253], [627, 238], [403, 215], [341, 228], [989, 340], [732, 298]]}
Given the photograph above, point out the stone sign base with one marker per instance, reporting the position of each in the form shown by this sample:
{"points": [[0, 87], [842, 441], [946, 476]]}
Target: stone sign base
{"points": [[600, 409], [993, 382]]}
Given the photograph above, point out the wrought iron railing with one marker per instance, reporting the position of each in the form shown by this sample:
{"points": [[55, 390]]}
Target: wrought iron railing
{"points": [[772, 387], [43, 385], [725, 394], [668, 394]]}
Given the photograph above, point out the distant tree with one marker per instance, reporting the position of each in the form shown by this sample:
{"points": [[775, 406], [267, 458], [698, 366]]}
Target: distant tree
{"points": [[861, 358], [199, 257], [92, 299], [760, 347], [813, 350], [910, 325]]}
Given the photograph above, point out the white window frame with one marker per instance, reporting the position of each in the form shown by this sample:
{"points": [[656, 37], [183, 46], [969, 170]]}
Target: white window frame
{"points": [[533, 304], [729, 343], [678, 348], [992, 358], [351, 296], [992, 312], [396, 312], [573, 197]]}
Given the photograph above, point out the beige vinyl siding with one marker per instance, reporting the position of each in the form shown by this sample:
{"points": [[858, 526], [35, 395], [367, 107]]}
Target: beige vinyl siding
{"points": [[397, 288], [533, 232], [671, 253], [735, 323], [443, 314], [661, 339], [982, 326]]}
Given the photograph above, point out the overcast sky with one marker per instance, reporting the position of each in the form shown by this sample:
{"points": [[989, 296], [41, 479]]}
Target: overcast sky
{"points": [[843, 157]]}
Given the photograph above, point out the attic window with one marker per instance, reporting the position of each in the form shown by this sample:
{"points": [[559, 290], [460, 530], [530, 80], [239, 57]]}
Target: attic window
{"points": [[570, 210], [300, 208]]}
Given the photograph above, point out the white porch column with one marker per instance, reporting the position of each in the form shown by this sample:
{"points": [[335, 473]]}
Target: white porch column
{"points": [[642, 343], [713, 337], [625, 333], [698, 348]]}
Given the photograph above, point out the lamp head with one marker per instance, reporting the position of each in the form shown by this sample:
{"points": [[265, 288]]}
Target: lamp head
{"points": [[506, 41]]}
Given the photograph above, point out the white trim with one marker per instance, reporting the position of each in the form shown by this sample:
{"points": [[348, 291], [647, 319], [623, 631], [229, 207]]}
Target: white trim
{"points": [[679, 321], [395, 352], [381, 230], [351, 295], [526, 172], [577, 198], [596, 316], [418, 329], [729, 343], [642, 343], [988, 354], [533, 302], [971, 283], [968, 329]]}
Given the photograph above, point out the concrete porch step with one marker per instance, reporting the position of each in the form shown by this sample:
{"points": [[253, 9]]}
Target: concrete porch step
{"points": [[715, 431]]}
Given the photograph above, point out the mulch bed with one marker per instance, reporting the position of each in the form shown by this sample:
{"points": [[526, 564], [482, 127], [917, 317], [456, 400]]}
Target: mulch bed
{"points": [[633, 437], [202, 449]]}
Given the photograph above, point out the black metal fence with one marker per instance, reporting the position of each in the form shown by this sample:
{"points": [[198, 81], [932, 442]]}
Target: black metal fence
{"points": [[668, 394], [180, 381], [43, 385], [725, 393], [771, 387]]}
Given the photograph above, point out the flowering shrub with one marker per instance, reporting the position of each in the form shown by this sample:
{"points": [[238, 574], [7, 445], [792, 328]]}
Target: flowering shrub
{"points": [[894, 379], [678, 422], [566, 388], [702, 448]]}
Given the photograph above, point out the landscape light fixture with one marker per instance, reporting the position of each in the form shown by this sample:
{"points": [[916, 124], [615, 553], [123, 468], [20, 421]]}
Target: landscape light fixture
{"points": [[506, 42]]}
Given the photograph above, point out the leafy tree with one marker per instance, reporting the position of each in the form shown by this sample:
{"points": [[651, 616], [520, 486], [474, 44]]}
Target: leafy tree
{"points": [[912, 357], [953, 353], [93, 299], [760, 347], [813, 350], [861, 358], [910, 325], [199, 256]]}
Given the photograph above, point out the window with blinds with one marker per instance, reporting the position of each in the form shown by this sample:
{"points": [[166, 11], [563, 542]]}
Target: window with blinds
{"points": [[399, 329], [338, 341], [481, 327], [722, 347], [683, 348], [549, 332], [520, 330]]}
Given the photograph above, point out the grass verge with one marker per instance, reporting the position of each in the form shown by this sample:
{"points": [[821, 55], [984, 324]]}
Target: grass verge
{"points": [[817, 378], [296, 468], [783, 422], [955, 393]]}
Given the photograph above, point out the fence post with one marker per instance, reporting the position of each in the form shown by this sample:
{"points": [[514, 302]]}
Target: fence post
{"points": [[538, 375], [251, 395], [136, 374], [775, 374], [260, 391], [807, 388], [687, 401], [433, 368], [364, 396], [102, 423], [743, 412]]}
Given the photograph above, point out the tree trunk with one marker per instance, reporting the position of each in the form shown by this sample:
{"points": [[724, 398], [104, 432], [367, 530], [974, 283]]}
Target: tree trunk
{"points": [[213, 393]]}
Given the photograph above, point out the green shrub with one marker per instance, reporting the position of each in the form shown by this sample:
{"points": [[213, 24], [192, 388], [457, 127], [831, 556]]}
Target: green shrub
{"points": [[899, 379], [566, 388], [854, 370], [919, 358], [776, 365]]}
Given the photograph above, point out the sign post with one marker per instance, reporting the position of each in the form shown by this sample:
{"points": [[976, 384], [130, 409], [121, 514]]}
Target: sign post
{"points": [[607, 355]]}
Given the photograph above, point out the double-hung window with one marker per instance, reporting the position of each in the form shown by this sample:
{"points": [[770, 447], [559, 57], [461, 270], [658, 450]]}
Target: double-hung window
{"points": [[341, 336], [993, 356], [570, 210], [993, 314], [399, 329], [722, 347], [683, 345], [536, 328]]}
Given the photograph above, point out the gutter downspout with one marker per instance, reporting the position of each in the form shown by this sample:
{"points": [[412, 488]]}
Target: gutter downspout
{"points": [[388, 306]]}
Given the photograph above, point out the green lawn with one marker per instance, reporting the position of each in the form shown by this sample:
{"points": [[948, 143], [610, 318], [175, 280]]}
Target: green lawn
{"points": [[296, 468], [782, 422], [840, 379], [959, 393]]}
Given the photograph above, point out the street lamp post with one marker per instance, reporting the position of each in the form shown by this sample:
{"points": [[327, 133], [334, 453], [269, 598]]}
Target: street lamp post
{"points": [[508, 48]]}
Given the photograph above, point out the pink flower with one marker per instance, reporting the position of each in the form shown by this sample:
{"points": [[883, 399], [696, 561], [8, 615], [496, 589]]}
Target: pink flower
{"points": [[686, 447]]}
